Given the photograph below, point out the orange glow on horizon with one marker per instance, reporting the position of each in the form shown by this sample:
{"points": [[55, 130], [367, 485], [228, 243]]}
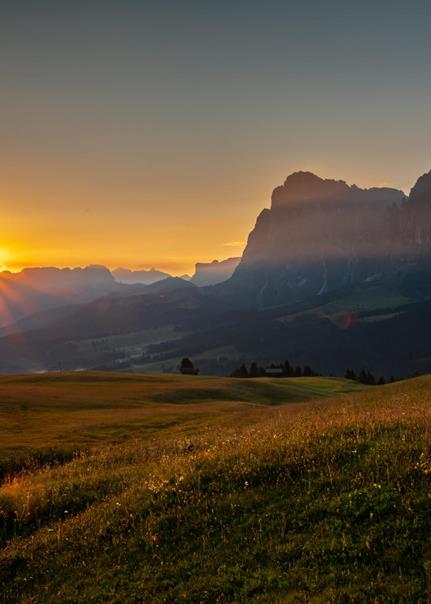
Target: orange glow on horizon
{"points": [[28, 242], [4, 257], [176, 266]]}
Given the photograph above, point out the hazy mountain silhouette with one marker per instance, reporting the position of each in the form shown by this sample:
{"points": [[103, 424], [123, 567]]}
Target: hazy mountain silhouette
{"points": [[211, 273], [169, 284], [43, 319], [146, 277], [35, 289]]}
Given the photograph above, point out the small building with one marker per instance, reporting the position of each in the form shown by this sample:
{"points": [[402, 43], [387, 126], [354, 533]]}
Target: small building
{"points": [[274, 371], [188, 370]]}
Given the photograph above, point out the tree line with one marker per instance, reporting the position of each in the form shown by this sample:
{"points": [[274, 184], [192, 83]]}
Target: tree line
{"points": [[366, 377]]}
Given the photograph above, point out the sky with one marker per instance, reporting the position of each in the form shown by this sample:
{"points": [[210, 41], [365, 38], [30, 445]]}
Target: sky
{"points": [[141, 134]]}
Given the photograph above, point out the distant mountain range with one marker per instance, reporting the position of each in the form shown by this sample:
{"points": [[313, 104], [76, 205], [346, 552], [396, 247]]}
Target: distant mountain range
{"points": [[332, 275], [33, 291], [206, 273], [37, 289], [146, 277]]}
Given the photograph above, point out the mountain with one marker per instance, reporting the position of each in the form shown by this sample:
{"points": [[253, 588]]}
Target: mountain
{"points": [[37, 289], [322, 235], [93, 334], [43, 319], [332, 276], [169, 284], [146, 277], [211, 273]]}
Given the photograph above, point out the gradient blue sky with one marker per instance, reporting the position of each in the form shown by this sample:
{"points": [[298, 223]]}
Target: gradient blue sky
{"points": [[152, 133]]}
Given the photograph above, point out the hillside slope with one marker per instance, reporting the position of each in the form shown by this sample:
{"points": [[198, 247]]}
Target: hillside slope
{"points": [[324, 501]]}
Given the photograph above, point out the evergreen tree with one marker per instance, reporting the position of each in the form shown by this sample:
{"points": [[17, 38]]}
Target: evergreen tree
{"points": [[254, 372], [287, 369], [363, 377], [186, 364], [350, 374], [371, 380], [243, 371]]}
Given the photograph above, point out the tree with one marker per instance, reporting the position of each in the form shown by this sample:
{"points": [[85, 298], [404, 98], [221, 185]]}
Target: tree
{"points": [[186, 364], [371, 380], [287, 369], [298, 372], [350, 375], [363, 377], [254, 371], [366, 377], [243, 371]]}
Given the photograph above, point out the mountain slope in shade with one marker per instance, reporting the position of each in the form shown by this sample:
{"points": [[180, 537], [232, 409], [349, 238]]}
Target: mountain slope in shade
{"points": [[172, 303], [168, 285], [145, 277], [322, 235], [43, 319], [211, 273]]}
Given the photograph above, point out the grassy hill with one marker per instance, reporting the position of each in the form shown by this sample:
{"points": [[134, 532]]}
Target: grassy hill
{"points": [[177, 489], [51, 416]]}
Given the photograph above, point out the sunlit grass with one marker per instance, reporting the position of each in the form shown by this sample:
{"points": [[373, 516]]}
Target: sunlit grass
{"points": [[316, 501]]}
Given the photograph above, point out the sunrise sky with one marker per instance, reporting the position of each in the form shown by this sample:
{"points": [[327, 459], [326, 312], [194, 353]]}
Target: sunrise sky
{"points": [[145, 134]]}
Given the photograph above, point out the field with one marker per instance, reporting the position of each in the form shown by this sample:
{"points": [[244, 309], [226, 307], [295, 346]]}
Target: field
{"points": [[134, 488]]}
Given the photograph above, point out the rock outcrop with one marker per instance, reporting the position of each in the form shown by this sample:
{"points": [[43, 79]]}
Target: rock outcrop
{"points": [[322, 235], [211, 273]]}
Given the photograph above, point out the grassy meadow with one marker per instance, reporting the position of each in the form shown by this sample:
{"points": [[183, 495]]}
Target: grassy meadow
{"points": [[134, 488]]}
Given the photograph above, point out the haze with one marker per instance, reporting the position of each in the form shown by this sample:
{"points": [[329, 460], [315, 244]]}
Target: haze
{"points": [[142, 134]]}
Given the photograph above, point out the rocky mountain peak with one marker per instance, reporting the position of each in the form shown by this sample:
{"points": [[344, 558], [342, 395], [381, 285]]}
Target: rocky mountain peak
{"points": [[301, 187], [420, 194]]}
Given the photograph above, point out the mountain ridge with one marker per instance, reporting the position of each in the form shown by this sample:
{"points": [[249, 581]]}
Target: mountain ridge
{"points": [[321, 234]]}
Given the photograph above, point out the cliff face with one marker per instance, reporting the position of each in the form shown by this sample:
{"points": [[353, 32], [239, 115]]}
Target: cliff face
{"points": [[322, 235], [211, 273]]}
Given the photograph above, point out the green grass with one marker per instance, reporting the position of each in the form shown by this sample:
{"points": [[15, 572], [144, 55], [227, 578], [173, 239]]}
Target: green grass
{"points": [[56, 415], [242, 498]]}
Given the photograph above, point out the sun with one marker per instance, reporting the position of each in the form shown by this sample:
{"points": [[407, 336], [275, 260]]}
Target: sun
{"points": [[4, 257]]}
